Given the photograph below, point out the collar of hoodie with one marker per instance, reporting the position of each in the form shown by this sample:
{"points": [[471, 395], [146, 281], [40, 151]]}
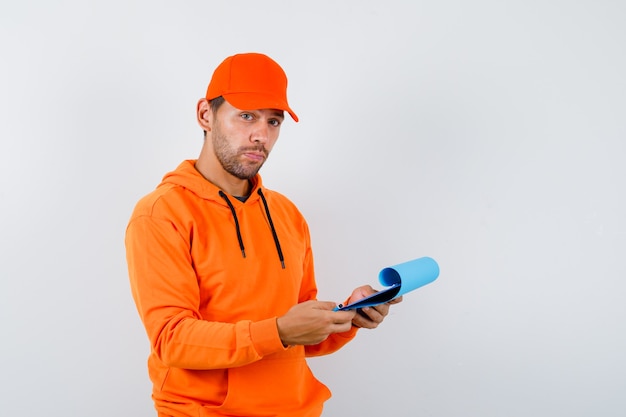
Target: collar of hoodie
{"points": [[269, 220], [187, 176]]}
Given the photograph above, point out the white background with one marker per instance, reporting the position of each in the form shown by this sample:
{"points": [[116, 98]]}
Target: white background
{"points": [[489, 135]]}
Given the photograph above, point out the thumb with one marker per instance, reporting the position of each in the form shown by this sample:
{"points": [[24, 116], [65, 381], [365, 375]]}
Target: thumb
{"points": [[326, 305]]}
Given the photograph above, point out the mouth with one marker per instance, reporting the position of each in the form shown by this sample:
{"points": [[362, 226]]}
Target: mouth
{"points": [[254, 154]]}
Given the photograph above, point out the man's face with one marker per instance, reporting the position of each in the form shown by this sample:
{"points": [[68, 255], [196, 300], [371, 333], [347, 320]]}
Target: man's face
{"points": [[243, 139]]}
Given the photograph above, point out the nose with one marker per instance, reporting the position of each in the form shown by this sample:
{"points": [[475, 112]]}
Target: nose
{"points": [[260, 134]]}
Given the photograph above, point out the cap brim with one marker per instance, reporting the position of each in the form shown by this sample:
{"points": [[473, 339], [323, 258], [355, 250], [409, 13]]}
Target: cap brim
{"points": [[255, 101]]}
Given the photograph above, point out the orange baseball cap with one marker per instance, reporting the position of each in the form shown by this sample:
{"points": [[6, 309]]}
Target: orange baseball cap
{"points": [[251, 81]]}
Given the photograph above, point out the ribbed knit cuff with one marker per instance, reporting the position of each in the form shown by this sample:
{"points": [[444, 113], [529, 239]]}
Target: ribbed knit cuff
{"points": [[265, 337]]}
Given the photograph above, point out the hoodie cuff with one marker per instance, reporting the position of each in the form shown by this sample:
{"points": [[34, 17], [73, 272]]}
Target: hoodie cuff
{"points": [[265, 338]]}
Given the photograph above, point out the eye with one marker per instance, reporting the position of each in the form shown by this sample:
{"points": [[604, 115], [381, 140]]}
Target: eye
{"points": [[275, 122], [247, 116]]}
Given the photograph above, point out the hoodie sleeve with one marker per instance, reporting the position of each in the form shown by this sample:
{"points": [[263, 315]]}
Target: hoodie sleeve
{"points": [[335, 341], [166, 293]]}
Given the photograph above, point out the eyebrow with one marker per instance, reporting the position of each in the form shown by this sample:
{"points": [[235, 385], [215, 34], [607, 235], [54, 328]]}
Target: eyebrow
{"points": [[278, 113]]}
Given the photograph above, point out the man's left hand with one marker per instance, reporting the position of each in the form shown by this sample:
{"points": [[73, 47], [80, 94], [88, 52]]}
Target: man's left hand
{"points": [[370, 317]]}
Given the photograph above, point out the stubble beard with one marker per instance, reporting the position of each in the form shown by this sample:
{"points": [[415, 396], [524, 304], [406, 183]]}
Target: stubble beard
{"points": [[230, 158]]}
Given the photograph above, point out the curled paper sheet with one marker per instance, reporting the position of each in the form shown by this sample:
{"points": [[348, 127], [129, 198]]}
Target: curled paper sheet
{"points": [[399, 279]]}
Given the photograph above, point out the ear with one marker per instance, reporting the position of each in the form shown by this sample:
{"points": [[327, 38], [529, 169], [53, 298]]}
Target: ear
{"points": [[204, 114]]}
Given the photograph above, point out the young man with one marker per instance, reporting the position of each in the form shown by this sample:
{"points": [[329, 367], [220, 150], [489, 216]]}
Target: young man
{"points": [[221, 267]]}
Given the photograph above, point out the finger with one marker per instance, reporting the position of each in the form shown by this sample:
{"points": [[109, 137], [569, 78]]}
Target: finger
{"points": [[377, 314], [368, 290], [342, 327], [361, 320], [326, 305], [362, 292], [395, 300], [340, 317], [368, 317]]}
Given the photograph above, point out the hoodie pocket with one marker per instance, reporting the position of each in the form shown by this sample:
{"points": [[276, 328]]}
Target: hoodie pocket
{"points": [[278, 385]]}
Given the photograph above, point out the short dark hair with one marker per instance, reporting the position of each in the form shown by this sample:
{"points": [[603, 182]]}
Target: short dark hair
{"points": [[216, 103]]}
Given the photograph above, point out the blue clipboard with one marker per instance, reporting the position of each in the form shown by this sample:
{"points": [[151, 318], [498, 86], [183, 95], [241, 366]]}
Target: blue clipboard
{"points": [[399, 280]]}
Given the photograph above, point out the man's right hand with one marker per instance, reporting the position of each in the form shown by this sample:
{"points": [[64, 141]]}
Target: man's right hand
{"points": [[311, 322]]}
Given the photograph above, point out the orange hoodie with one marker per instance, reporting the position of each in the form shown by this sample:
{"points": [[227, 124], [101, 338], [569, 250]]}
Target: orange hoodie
{"points": [[207, 276]]}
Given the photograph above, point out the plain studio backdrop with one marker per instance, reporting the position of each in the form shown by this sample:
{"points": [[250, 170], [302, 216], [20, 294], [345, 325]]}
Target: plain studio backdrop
{"points": [[489, 135]]}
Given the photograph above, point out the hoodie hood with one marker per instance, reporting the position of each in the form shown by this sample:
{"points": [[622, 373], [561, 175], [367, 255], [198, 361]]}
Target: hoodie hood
{"points": [[186, 175]]}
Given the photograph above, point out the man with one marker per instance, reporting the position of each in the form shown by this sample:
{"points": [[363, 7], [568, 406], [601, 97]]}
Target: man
{"points": [[221, 267]]}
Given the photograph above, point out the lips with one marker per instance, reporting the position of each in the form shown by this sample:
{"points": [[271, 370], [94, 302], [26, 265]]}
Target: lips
{"points": [[254, 153], [256, 156]]}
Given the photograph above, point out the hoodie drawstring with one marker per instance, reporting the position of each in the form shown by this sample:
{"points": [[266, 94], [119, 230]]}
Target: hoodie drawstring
{"points": [[232, 210], [269, 218]]}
